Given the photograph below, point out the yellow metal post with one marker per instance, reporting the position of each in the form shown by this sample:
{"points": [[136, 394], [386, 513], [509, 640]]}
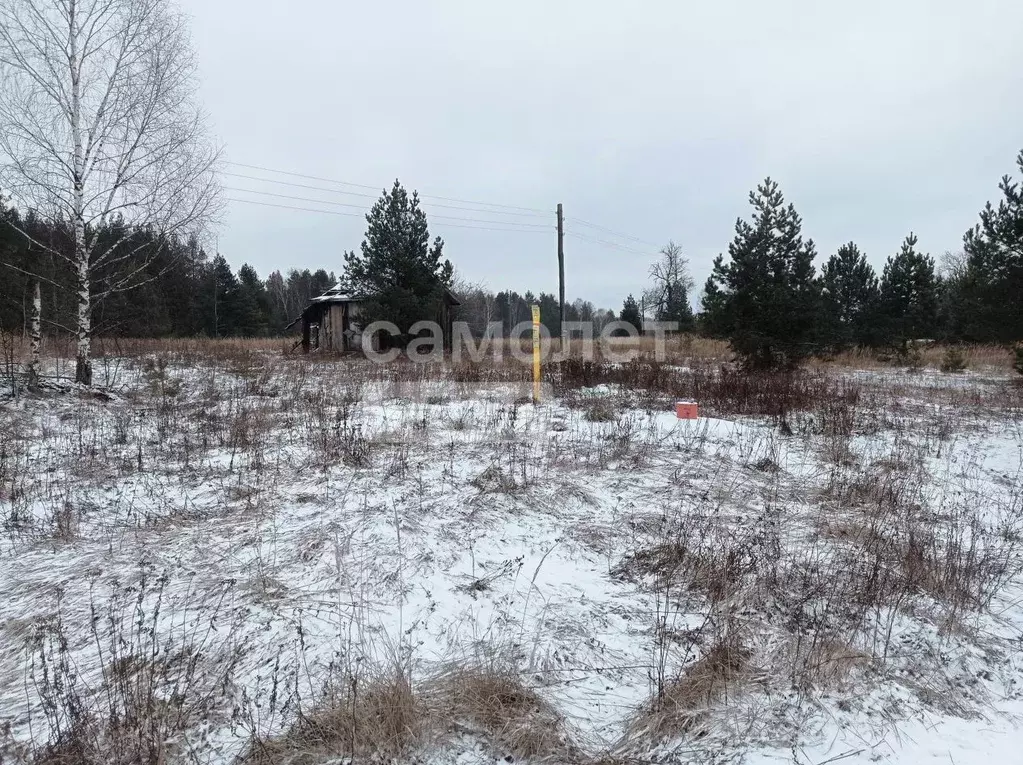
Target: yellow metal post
{"points": [[536, 354]]}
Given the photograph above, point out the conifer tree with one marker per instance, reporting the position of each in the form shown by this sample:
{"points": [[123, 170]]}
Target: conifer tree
{"points": [[909, 295], [401, 275], [630, 313], [989, 306], [253, 304], [849, 298], [220, 300], [714, 319], [766, 296]]}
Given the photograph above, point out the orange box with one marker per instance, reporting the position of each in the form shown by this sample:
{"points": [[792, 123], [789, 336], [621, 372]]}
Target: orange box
{"points": [[686, 410]]}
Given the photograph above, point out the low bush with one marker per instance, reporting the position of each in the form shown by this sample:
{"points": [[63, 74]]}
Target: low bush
{"points": [[954, 360]]}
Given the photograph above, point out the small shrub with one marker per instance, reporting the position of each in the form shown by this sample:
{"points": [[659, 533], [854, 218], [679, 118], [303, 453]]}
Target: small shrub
{"points": [[953, 360], [64, 523], [914, 358], [601, 410], [494, 480]]}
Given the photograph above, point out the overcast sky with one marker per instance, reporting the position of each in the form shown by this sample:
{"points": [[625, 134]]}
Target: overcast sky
{"points": [[651, 119]]}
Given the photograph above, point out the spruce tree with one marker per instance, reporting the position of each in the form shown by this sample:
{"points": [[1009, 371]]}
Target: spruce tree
{"points": [[909, 296], [401, 275], [766, 297], [849, 299]]}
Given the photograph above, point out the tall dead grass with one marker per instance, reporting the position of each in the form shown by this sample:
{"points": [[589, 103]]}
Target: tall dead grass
{"points": [[373, 713], [677, 349], [386, 715]]}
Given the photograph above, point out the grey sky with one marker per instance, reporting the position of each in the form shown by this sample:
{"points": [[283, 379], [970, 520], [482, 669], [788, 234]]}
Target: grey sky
{"points": [[654, 119]]}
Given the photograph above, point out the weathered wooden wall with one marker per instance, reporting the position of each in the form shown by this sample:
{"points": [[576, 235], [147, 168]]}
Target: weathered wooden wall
{"points": [[332, 328]]}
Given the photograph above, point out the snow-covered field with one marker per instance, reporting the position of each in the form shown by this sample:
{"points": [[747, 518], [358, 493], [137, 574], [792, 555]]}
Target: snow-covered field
{"points": [[228, 552]]}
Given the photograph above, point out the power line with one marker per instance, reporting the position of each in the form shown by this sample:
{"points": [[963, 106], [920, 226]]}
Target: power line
{"points": [[357, 215], [613, 232], [300, 185], [366, 209], [369, 196], [501, 209], [533, 210], [605, 243], [299, 199], [292, 207]]}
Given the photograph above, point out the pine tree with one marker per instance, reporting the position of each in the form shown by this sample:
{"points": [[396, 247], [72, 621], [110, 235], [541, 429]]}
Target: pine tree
{"points": [[550, 313], [714, 319], [766, 297], [849, 298], [14, 263], [253, 304], [399, 273], [990, 307], [220, 304], [909, 296], [630, 313]]}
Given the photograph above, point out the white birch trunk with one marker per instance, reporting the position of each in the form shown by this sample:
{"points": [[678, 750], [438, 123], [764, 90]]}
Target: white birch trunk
{"points": [[35, 334], [83, 345], [83, 361]]}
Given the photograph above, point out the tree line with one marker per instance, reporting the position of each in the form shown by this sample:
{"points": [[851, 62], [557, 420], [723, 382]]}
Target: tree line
{"points": [[768, 301], [181, 291], [764, 295]]}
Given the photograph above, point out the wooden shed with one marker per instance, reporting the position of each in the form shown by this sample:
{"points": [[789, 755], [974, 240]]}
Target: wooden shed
{"points": [[331, 322]]}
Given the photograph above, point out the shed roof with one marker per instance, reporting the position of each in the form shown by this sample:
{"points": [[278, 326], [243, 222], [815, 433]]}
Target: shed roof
{"points": [[338, 295]]}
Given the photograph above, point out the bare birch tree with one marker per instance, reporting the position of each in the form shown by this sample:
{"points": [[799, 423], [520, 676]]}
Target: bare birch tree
{"points": [[669, 295], [100, 125]]}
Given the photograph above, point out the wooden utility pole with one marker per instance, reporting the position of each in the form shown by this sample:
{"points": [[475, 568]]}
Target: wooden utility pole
{"points": [[561, 270]]}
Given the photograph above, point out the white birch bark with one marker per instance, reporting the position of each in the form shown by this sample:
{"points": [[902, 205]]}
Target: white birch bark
{"points": [[35, 335]]}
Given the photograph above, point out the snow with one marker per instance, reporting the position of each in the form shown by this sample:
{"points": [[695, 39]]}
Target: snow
{"points": [[278, 552]]}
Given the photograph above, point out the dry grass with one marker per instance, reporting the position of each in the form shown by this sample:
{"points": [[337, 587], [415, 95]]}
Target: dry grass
{"points": [[714, 568], [379, 716], [493, 699], [880, 555], [975, 357], [683, 701], [150, 693], [601, 410], [822, 663], [677, 349], [383, 717]]}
